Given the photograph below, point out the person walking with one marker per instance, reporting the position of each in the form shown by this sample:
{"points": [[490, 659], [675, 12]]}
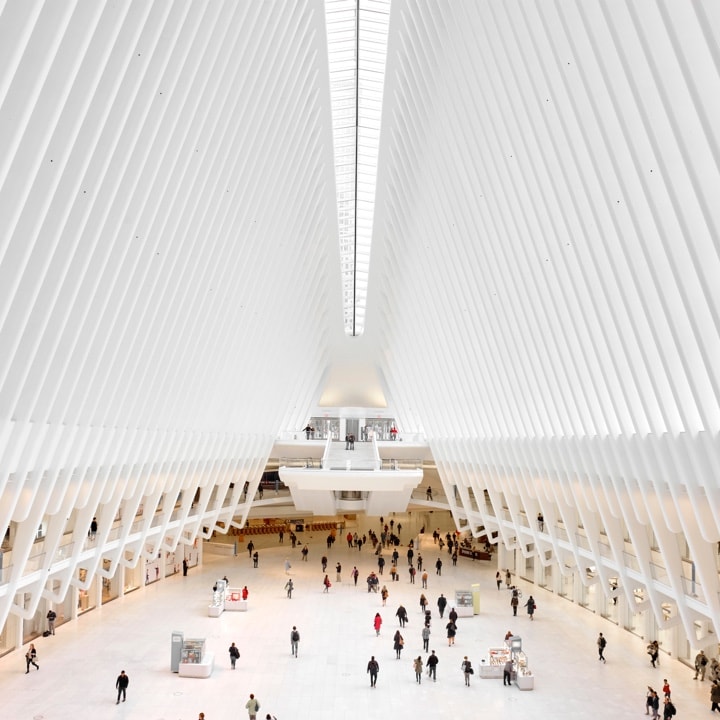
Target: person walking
{"points": [[424, 579], [423, 602], [252, 706], [304, 552], [377, 623], [289, 587], [398, 644], [294, 640], [381, 564], [426, 638], [498, 579], [715, 697], [668, 710], [467, 668], [655, 705], [442, 604], [432, 663], [250, 547], [326, 584], [531, 606], [418, 667], [666, 688], [402, 615], [234, 654], [121, 685], [355, 574], [412, 572], [287, 566], [648, 700], [338, 572], [245, 592], [508, 578], [185, 567], [31, 658], [452, 615], [419, 562], [451, 632], [373, 667], [324, 562], [51, 617], [701, 662], [507, 673], [438, 567], [514, 602], [384, 594], [653, 650], [601, 643], [256, 557]]}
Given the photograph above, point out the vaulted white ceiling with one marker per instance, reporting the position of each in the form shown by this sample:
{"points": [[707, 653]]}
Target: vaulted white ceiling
{"points": [[543, 296]]}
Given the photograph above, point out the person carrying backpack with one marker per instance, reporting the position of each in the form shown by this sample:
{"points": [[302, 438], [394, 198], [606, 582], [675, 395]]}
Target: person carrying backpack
{"points": [[294, 640], [601, 643], [669, 709]]}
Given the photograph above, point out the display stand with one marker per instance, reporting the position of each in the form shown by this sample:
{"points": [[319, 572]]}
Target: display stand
{"points": [[492, 666], [217, 604], [234, 601], [194, 660], [464, 603], [521, 675], [524, 678]]}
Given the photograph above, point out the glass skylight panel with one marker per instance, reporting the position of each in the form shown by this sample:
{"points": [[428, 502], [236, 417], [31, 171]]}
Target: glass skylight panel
{"points": [[357, 47]]}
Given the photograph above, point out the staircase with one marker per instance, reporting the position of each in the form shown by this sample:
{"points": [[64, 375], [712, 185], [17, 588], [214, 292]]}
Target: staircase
{"points": [[362, 457]]}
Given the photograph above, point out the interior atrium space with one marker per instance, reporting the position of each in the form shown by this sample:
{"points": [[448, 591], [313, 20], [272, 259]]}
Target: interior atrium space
{"points": [[315, 267]]}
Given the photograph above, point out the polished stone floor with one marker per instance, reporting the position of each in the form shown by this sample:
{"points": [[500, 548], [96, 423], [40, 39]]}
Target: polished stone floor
{"points": [[328, 680]]}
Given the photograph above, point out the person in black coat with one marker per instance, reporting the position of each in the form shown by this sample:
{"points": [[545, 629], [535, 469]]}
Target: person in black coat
{"points": [[442, 604], [402, 615], [398, 643], [121, 684]]}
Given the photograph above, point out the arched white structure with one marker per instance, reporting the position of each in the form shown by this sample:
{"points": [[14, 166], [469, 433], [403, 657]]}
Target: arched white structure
{"points": [[543, 299]]}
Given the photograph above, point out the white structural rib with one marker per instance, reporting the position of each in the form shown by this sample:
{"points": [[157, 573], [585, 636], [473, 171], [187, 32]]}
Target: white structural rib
{"points": [[544, 305], [547, 238]]}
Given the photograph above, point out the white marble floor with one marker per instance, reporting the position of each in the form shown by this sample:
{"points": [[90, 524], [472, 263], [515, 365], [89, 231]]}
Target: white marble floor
{"points": [[79, 665]]}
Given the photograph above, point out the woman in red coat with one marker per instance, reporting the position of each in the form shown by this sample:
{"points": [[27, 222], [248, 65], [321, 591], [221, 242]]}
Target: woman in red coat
{"points": [[377, 623]]}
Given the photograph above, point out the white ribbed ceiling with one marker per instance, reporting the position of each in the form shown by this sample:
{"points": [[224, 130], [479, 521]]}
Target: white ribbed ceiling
{"points": [[543, 292]]}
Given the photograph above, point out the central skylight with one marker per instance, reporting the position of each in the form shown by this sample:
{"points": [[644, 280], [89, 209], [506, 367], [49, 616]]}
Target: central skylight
{"points": [[357, 42]]}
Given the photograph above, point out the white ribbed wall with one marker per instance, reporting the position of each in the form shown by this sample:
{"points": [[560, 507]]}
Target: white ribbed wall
{"points": [[168, 268], [547, 236], [544, 299]]}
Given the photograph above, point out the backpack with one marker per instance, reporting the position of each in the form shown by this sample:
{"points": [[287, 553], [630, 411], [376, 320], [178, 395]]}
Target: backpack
{"points": [[603, 643], [295, 636], [672, 708]]}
